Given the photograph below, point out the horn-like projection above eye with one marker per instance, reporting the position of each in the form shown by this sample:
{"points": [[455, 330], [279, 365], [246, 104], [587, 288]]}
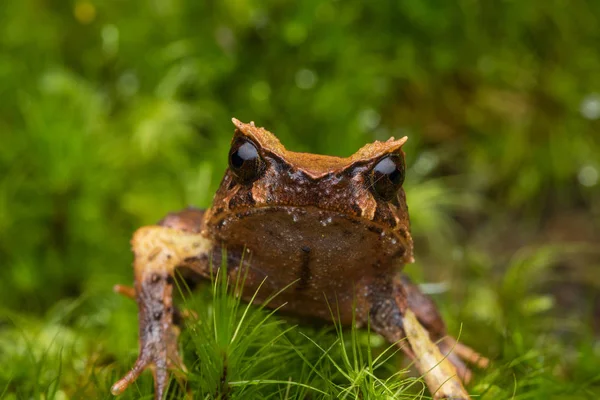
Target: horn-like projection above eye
{"points": [[387, 176], [244, 161]]}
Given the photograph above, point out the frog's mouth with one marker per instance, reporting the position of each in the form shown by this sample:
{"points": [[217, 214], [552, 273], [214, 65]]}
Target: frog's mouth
{"points": [[283, 225]]}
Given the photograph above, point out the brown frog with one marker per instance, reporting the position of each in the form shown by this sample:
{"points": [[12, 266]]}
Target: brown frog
{"points": [[334, 231]]}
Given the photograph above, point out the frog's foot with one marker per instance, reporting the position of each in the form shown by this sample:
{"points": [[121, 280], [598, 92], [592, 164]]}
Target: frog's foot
{"points": [[428, 315], [158, 335], [392, 316], [158, 251], [438, 372]]}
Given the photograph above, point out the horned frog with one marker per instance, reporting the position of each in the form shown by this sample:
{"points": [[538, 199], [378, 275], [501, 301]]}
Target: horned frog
{"points": [[332, 230]]}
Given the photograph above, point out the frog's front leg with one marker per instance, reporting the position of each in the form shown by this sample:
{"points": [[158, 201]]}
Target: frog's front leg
{"points": [[428, 315], [402, 314], [158, 250]]}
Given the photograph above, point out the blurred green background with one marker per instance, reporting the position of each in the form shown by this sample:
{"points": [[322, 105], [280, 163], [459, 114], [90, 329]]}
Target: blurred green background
{"points": [[113, 113]]}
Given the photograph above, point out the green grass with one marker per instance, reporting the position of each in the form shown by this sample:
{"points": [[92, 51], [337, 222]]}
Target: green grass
{"points": [[246, 352], [233, 350], [236, 350]]}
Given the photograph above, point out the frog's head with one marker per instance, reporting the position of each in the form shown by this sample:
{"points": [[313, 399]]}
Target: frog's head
{"points": [[365, 187]]}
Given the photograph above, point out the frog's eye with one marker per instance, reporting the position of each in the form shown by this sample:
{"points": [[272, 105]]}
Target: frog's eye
{"points": [[244, 161], [387, 176]]}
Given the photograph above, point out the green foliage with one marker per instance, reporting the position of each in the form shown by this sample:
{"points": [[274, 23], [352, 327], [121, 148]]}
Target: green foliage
{"points": [[114, 113]]}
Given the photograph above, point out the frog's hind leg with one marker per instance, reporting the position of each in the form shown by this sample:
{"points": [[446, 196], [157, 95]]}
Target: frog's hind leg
{"points": [[428, 315], [391, 316], [158, 250]]}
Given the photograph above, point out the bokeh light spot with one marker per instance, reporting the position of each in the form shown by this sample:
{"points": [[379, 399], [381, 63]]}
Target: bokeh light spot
{"points": [[325, 12], [85, 12], [306, 79], [369, 119], [225, 38], [588, 176], [426, 162], [295, 33], [128, 84], [110, 39], [260, 91], [590, 106]]}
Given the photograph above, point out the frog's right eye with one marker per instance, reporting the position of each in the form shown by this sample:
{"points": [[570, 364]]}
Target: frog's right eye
{"points": [[244, 161]]}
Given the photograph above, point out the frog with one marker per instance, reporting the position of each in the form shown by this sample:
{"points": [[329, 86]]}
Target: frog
{"points": [[311, 232]]}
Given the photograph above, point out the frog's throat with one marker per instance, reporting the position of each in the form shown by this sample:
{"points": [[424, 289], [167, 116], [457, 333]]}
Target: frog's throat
{"points": [[398, 232]]}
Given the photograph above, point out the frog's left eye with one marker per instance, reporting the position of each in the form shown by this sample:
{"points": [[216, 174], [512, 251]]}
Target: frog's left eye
{"points": [[244, 161], [387, 176]]}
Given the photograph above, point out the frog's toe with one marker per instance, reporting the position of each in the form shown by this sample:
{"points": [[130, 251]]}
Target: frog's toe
{"points": [[462, 370], [123, 383], [124, 290], [460, 354], [464, 352]]}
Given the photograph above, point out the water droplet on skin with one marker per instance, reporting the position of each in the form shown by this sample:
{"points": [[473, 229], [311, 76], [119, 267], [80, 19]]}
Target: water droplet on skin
{"points": [[326, 221], [394, 241]]}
